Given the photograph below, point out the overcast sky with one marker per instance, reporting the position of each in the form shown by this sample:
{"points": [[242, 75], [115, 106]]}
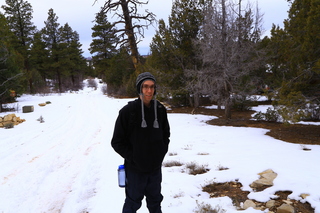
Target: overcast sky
{"points": [[79, 14]]}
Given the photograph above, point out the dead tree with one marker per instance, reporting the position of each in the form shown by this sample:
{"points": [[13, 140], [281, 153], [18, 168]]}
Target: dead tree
{"points": [[131, 29], [228, 50]]}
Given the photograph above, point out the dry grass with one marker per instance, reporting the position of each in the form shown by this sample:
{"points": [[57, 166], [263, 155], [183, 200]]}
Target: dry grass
{"points": [[203, 153], [221, 168], [172, 153], [207, 208], [196, 169], [172, 163]]}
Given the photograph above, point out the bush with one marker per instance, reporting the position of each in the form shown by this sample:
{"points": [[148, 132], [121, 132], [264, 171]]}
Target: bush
{"points": [[312, 112], [92, 83], [242, 103], [271, 115], [292, 106], [104, 89]]}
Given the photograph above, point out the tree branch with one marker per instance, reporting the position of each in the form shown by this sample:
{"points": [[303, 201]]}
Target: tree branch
{"points": [[9, 79]]}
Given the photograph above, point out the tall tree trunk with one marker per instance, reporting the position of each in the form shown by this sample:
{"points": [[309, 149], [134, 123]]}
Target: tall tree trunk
{"points": [[130, 33], [227, 110], [59, 80]]}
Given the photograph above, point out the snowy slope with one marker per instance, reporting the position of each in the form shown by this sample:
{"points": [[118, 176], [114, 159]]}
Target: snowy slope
{"points": [[66, 164]]}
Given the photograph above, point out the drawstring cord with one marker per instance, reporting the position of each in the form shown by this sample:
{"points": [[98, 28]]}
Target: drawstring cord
{"points": [[144, 123], [155, 123]]}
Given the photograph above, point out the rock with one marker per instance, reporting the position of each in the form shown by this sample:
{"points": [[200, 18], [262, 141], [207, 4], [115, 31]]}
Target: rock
{"points": [[266, 172], [8, 117], [248, 204], [270, 203], [287, 202], [269, 176], [266, 179], [304, 196], [285, 208], [26, 109]]}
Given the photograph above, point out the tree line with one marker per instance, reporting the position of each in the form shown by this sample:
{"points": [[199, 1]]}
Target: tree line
{"points": [[37, 60], [210, 50]]}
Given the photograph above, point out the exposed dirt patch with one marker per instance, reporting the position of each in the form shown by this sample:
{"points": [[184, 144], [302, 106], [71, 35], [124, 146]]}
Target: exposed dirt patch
{"points": [[234, 191], [295, 133], [230, 189]]}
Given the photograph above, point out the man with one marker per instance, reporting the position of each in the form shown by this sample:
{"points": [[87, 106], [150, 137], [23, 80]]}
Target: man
{"points": [[141, 137]]}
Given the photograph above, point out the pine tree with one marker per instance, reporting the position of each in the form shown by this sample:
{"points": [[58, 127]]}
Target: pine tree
{"points": [[71, 60], [184, 24], [19, 15], [50, 30], [295, 60], [103, 45], [51, 37], [162, 48], [172, 50], [11, 64], [39, 59], [118, 74]]}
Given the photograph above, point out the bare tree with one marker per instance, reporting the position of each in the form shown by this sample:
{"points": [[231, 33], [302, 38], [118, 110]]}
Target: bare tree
{"points": [[127, 13], [227, 49]]}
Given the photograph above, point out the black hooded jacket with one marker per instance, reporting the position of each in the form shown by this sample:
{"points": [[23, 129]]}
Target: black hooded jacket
{"points": [[142, 148]]}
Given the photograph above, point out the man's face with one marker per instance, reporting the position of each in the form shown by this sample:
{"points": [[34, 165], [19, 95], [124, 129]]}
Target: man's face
{"points": [[147, 89]]}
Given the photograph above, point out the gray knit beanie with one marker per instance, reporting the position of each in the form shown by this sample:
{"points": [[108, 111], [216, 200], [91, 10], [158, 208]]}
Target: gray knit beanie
{"points": [[140, 79], [143, 77]]}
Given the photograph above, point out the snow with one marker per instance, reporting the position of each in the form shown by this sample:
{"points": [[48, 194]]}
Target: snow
{"points": [[67, 164]]}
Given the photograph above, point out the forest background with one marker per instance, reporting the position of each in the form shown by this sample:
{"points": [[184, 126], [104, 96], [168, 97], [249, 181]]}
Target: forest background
{"points": [[208, 51]]}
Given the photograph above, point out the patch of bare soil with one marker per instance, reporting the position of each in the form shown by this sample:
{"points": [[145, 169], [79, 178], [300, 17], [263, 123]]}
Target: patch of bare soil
{"points": [[234, 191], [295, 133], [230, 189]]}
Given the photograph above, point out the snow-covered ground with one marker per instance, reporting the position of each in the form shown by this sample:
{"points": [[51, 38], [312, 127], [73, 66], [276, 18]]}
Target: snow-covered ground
{"points": [[67, 164]]}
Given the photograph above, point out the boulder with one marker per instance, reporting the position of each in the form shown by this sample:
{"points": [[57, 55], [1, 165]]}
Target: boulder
{"points": [[266, 179], [285, 208], [304, 196], [26, 109], [249, 203], [270, 203], [8, 117]]}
